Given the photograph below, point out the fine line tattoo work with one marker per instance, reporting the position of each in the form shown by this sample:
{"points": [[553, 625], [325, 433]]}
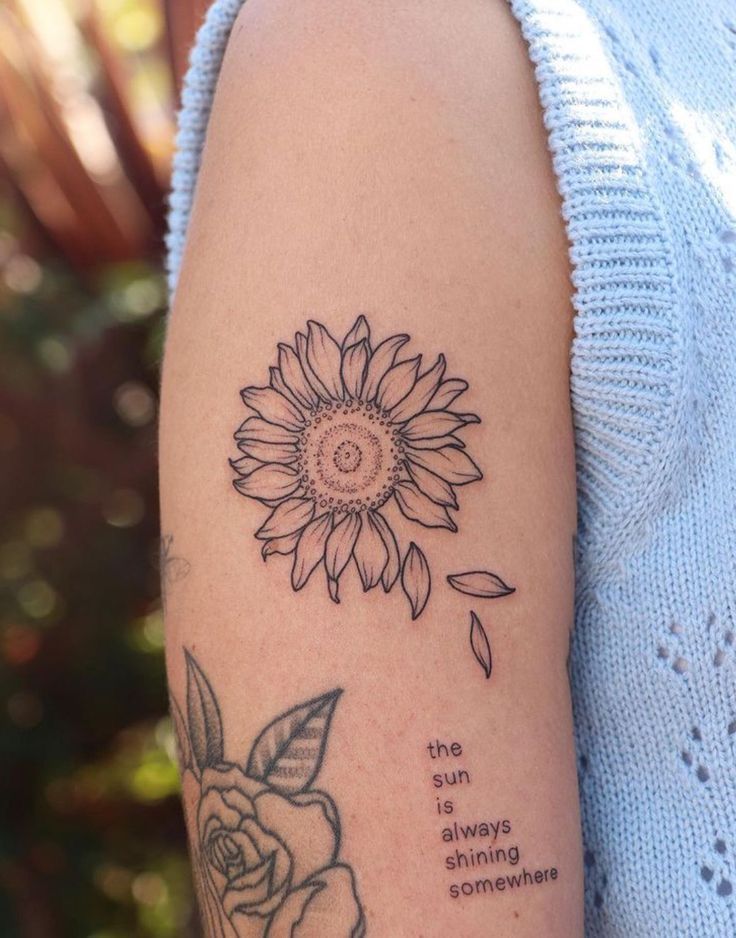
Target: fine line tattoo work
{"points": [[342, 433], [480, 645], [172, 568], [480, 583], [265, 843]]}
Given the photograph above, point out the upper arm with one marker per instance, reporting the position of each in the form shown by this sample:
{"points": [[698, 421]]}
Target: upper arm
{"points": [[388, 160]]}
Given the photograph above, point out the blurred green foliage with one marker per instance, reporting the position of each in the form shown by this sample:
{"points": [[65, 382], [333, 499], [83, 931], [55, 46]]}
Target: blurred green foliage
{"points": [[92, 842]]}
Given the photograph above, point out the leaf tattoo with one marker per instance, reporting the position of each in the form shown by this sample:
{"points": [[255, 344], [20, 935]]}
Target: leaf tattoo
{"points": [[480, 645], [183, 747], [480, 583], [288, 754], [205, 722]]}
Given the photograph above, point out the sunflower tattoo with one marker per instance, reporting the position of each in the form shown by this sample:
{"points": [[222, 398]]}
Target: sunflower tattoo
{"points": [[340, 435]]}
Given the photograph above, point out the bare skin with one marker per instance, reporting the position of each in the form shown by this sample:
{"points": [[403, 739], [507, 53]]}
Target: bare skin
{"points": [[386, 160]]}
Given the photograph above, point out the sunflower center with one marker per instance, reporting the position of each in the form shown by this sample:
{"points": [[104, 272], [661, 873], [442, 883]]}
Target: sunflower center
{"points": [[350, 456]]}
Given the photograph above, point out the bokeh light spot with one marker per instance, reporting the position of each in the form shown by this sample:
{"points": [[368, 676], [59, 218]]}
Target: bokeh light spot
{"points": [[149, 889], [37, 598], [124, 508], [22, 274], [44, 527], [55, 354], [20, 644], [135, 404], [16, 560], [24, 709]]}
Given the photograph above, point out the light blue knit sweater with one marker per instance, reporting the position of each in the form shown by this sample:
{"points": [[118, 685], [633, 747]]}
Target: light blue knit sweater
{"points": [[640, 104]]}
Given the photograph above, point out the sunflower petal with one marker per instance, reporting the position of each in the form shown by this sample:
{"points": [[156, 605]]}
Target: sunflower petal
{"points": [[449, 463], [284, 453], [381, 360], [437, 442], [421, 394], [288, 517], [415, 580], [340, 544], [294, 377], [447, 392], [256, 428], [270, 482], [301, 349], [434, 423], [435, 488], [360, 332], [278, 384], [397, 383], [370, 553], [245, 465], [393, 564], [273, 407], [310, 550], [417, 507], [480, 583], [353, 369], [325, 358], [280, 545], [333, 588]]}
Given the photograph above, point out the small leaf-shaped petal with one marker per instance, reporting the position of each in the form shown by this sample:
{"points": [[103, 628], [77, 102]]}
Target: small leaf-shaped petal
{"points": [[447, 392], [381, 360], [256, 428], [433, 487], [325, 358], [273, 407], [314, 381], [449, 463], [434, 423], [415, 580], [397, 383], [205, 722], [288, 753], [285, 453], [393, 564], [278, 384], [480, 583], [370, 553], [286, 518], [416, 506], [421, 394], [270, 483], [360, 332], [311, 550], [354, 364], [340, 544], [294, 377], [280, 545], [480, 645]]}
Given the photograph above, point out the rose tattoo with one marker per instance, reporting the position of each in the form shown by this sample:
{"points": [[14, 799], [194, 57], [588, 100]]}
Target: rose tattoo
{"points": [[345, 441], [265, 843]]}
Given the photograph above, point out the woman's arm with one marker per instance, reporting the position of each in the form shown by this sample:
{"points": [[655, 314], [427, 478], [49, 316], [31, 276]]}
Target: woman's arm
{"points": [[367, 745]]}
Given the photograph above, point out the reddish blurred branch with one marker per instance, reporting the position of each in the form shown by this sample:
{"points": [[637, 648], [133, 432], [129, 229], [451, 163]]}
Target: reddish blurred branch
{"points": [[183, 18]]}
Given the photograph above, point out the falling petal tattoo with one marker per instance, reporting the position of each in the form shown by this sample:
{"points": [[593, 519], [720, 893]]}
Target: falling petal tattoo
{"points": [[480, 583], [480, 645]]}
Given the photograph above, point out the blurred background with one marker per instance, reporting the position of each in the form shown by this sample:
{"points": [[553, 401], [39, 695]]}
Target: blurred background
{"points": [[91, 840]]}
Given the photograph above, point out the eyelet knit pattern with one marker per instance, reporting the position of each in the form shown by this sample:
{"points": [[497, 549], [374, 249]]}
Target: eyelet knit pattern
{"points": [[639, 101]]}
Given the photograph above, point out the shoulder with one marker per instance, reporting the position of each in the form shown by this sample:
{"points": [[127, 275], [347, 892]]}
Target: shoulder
{"points": [[418, 105]]}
